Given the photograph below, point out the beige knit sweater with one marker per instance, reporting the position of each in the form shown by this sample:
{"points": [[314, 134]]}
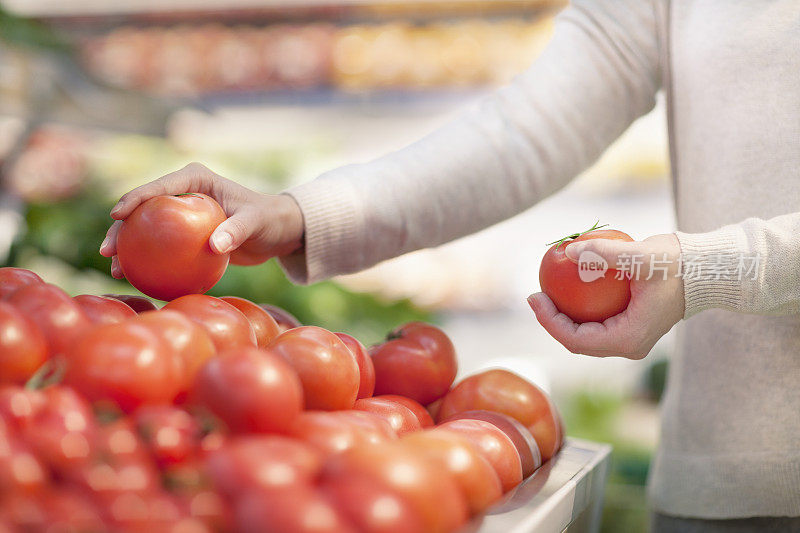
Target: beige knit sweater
{"points": [[730, 443]]}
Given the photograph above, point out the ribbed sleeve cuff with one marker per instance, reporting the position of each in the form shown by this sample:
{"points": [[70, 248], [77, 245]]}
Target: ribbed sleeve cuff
{"points": [[711, 267], [331, 230]]}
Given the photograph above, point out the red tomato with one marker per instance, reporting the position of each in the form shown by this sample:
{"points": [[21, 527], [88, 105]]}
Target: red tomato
{"points": [[61, 320], [189, 341], [101, 310], [417, 361], [526, 445], [366, 370], [62, 430], [105, 481], [427, 486], [262, 322], [225, 324], [163, 247], [337, 431], [505, 392], [20, 469], [12, 279], [584, 301], [400, 418], [475, 476], [250, 390], [299, 509], [372, 507], [23, 347], [140, 304], [327, 369], [434, 407], [70, 510], [18, 405], [120, 441], [493, 444], [283, 318], [125, 363], [171, 433], [260, 462], [419, 411]]}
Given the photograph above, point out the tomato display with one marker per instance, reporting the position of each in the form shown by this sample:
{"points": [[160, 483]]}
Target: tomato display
{"points": [[202, 417], [12, 279], [163, 246], [102, 310], [366, 370], [327, 368], [125, 363], [226, 325], [250, 391], [417, 360], [594, 298], [23, 347], [262, 322], [505, 392]]}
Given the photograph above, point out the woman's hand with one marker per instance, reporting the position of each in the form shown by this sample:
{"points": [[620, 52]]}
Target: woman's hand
{"points": [[259, 226], [656, 303]]}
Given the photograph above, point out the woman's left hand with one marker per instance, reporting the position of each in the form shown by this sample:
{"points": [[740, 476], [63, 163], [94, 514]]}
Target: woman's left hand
{"points": [[656, 303]]}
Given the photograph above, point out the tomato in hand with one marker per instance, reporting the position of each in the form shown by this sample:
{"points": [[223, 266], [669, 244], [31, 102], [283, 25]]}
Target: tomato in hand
{"points": [[12, 279], [262, 462], [226, 325], [60, 319], [140, 304], [262, 322], [125, 363], [528, 450], [23, 347], [250, 390], [505, 392], [163, 246], [188, 340], [102, 310], [283, 318], [427, 486], [333, 432], [493, 444], [419, 411], [366, 370], [593, 300], [475, 476], [418, 361], [401, 419], [325, 365]]}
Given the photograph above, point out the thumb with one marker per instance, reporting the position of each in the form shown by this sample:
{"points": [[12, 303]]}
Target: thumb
{"points": [[230, 234], [617, 254]]}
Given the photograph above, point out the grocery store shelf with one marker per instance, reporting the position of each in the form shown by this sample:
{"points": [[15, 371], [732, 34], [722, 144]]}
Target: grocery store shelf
{"points": [[565, 494], [104, 7]]}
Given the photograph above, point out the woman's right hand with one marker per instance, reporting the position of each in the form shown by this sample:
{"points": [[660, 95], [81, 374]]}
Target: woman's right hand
{"points": [[259, 226]]}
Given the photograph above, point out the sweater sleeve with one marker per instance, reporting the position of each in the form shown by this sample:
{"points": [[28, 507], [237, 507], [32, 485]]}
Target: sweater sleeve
{"points": [[598, 74], [750, 267]]}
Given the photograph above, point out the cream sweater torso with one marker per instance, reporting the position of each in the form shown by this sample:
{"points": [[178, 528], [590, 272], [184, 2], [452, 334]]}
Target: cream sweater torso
{"points": [[730, 443]]}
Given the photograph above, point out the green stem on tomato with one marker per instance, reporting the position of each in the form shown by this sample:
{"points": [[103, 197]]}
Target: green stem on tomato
{"points": [[575, 235]]}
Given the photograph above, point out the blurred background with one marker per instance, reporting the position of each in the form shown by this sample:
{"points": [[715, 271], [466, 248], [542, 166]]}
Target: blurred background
{"points": [[98, 97]]}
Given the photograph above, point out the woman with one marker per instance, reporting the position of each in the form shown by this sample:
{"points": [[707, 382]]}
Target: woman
{"points": [[728, 458]]}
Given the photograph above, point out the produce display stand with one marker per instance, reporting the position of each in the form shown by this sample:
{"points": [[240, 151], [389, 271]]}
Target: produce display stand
{"points": [[566, 494]]}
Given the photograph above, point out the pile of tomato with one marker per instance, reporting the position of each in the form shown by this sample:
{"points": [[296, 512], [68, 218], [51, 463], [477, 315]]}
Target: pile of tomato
{"points": [[217, 414]]}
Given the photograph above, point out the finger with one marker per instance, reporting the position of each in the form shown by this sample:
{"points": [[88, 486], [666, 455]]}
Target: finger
{"points": [[589, 338], [116, 269], [230, 234], [616, 253], [109, 246], [194, 177]]}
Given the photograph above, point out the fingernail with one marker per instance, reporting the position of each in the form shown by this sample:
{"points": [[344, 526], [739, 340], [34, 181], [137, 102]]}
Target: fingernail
{"points": [[573, 251], [104, 244], [533, 302], [222, 241]]}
